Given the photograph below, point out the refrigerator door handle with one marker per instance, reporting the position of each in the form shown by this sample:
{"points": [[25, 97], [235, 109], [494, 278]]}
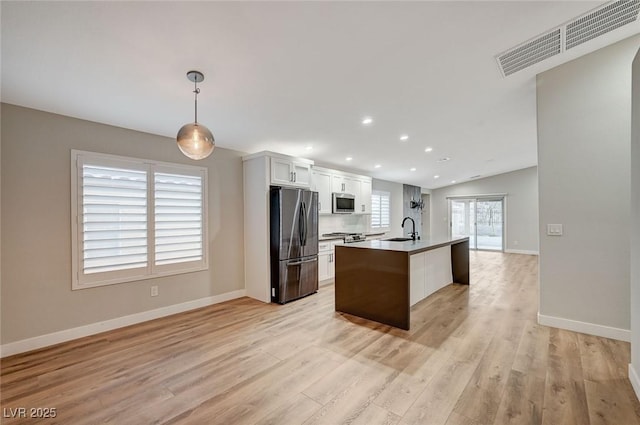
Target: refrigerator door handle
{"points": [[304, 228], [301, 224], [297, 263]]}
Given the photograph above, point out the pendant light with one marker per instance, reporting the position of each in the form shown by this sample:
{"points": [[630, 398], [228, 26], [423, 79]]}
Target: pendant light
{"points": [[195, 140]]}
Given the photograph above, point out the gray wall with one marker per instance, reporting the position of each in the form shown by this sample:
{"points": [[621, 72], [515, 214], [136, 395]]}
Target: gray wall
{"points": [[36, 231], [635, 220], [584, 125], [521, 187]]}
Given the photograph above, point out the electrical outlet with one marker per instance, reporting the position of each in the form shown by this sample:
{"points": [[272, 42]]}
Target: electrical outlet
{"points": [[554, 229], [154, 291]]}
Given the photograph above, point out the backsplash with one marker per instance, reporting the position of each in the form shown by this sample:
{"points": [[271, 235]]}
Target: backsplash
{"points": [[328, 223]]}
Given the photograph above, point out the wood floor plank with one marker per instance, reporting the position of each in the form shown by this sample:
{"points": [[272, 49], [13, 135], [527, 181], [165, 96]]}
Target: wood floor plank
{"points": [[611, 402], [437, 400], [481, 397], [565, 396], [295, 411], [474, 355]]}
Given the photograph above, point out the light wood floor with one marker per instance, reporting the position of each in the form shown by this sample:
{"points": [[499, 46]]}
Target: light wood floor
{"points": [[474, 356]]}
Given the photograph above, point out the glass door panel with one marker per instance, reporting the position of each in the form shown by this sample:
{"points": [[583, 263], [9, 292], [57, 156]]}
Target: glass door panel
{"points": [[463, 219], [481, 219], [489, 224]]}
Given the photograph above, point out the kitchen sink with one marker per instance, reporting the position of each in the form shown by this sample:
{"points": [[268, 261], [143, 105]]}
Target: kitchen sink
{"points": [[398, 239]]}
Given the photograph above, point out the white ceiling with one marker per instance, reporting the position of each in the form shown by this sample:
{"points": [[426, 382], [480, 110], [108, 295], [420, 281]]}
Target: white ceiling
{"points": [[287, 75]]}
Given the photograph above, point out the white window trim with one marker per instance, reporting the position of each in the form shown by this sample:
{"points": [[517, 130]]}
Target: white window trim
{"points": [[151, 271], [382, 193]]}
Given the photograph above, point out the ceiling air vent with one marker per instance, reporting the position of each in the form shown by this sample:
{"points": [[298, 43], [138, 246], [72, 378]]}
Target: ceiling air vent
{"points": [[530, 53], [601, 21]]}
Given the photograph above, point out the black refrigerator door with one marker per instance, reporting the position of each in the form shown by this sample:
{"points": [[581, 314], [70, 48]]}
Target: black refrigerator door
{"points": [[297, 278]]}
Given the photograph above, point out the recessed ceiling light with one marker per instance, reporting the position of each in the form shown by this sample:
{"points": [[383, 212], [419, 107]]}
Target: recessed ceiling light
{"points": [[367, 120], [453, 181], [436, 176], [445, 159], [377, 166], [412, 169], [404, 137], [428, 149], [348, 158], [309, 148]]}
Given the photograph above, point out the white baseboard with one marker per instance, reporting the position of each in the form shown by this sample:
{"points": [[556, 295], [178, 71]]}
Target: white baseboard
{"points": [[585, 327], [41, 341], [521, 251], [635, 381]]}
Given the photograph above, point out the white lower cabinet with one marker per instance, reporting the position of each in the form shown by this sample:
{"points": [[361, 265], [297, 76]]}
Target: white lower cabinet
{"points": [[417, 277], [326, 261], [428, 272]]}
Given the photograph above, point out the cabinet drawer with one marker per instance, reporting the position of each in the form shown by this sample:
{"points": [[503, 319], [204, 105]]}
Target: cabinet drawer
{"points": [[325, 246]]}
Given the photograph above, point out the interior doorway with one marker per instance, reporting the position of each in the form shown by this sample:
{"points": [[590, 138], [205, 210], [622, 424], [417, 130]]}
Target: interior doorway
{"points": [[479, 218]]}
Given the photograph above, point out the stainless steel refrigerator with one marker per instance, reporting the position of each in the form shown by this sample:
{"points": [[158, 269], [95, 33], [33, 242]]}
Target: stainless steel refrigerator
{"points": [[294, 243]]}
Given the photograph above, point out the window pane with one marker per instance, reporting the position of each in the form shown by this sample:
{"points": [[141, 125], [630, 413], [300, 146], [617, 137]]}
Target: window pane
{"points": [[114, 218], [380, 209], [178, 218]]}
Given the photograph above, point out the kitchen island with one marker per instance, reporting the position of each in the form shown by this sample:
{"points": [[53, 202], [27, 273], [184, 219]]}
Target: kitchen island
{"points": [[381, 280]]}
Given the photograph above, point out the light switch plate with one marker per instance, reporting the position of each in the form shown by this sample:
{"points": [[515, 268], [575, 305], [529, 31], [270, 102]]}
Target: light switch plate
{"points": [[554, 229]]}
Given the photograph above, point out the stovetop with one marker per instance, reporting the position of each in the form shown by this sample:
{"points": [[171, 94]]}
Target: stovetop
{"points": [[340, 234], [347, 237]]}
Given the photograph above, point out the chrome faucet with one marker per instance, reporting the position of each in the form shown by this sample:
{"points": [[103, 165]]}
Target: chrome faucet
{"points": [[413, 227]]}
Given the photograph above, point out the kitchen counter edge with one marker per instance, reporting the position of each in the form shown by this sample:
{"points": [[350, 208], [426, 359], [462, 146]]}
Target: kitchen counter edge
{"points": [[410, 247]]}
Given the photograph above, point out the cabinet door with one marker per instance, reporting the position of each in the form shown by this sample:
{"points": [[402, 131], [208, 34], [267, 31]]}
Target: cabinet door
{"points": [[322, 185], [337, 184], [281, 172], [301, 174], [352, 186], [332, 265], [323, 266], [364, 206], [417, 277]]}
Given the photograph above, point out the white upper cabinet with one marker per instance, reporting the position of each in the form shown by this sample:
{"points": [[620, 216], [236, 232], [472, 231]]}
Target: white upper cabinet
{"points": [[363, 203], [326, 182], [302, 173], [322, 184], [290, 172], [345, 184]]}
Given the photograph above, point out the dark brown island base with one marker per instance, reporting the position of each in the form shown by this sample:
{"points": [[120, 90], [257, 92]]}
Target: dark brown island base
{"points": [[381, 280]]}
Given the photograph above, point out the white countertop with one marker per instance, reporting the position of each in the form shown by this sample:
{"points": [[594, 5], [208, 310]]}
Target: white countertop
{"points": [[410, 247]]}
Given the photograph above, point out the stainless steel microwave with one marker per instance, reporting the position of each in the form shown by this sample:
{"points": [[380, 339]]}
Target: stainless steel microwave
{"points": [[343, 203]]}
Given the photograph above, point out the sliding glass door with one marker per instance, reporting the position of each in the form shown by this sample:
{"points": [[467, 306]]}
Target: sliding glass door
{"points": [[463, 221], [481, 219]]}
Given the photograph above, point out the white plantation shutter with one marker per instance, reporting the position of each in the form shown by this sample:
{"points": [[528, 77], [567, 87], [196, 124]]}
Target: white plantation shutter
{"points": [[114, 218], [178, 218], [135, 219], [380, 209]]}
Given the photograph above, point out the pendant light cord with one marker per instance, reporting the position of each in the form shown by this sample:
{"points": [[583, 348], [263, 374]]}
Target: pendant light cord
{"points": [[196, 90]]}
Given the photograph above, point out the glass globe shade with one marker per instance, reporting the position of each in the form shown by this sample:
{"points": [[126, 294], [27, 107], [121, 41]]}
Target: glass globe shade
{"points": [[195, 141]]}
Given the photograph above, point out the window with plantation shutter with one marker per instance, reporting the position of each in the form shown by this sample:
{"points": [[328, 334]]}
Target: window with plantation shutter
{"points": [[380, 209], [114, 224], [135, 219], [178, 217]]}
